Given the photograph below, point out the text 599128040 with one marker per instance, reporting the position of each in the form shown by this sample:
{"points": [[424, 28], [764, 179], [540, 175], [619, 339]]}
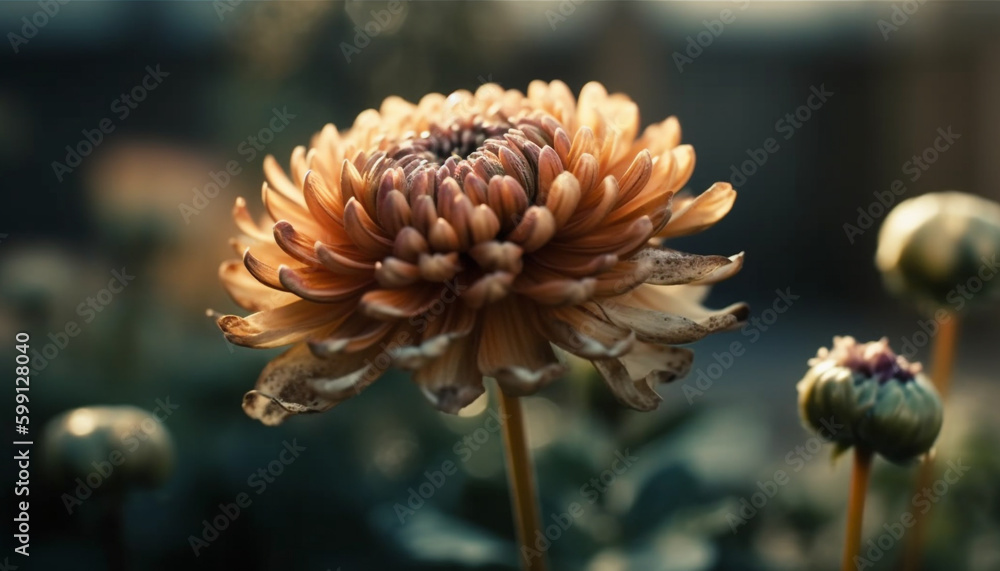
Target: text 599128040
{"points": [[22, 444]]}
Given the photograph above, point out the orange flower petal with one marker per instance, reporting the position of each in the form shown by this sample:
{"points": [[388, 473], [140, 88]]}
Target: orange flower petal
{"points": [[246, 223], [534, 230], [394, 273], [563, 198], [586, 334], [281, 325], [502, 256], [264, 273], [321, 285], [365, 234], [247, 291], [295, 244], [452, 381], [355, 332], [391, 304], [702, 212], [488, 289], [514, 352], [439, 267], [279, 182], [343, 259]]}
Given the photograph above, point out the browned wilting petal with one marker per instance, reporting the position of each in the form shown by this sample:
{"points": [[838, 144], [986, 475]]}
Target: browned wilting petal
{"points": [[468, 235], [663, 328], [435, 332], [661, 266], [298, 382], [633, 377], [686, 301], [452, 381], [513, 350], [584, 333], [357, 333]]}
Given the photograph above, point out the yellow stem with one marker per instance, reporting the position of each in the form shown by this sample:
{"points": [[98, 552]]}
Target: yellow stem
{"points": [[522, 483], [856, 506], [943, 361]]}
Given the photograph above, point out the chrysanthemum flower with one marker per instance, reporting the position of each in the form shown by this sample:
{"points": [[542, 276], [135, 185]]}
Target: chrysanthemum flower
{"points": [[467, 236]]}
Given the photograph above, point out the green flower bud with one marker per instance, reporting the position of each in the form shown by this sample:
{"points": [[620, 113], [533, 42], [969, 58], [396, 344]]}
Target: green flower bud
{"points": [[109, 448], [862, 394], [941, 249]]}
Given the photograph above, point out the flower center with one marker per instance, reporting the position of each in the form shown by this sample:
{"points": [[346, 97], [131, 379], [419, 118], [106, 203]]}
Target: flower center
{"points": [[477, 146], [439, 144], [872, 360], [460, 142]]}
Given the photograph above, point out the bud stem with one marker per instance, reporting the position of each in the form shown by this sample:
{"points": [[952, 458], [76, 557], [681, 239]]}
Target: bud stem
{"points": [[942, 365], [522, 483], [856, 506], [112, 531]]}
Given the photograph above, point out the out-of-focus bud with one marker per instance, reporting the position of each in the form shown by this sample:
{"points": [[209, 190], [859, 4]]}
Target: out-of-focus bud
{"points": [[863, 394], [941, 249], [107, 449]]}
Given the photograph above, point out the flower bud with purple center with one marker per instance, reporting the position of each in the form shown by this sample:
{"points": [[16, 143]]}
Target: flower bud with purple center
{"points": [[873, 398]]}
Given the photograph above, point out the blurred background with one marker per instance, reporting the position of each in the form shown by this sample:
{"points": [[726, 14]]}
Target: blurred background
{"points": [[170, 94]]}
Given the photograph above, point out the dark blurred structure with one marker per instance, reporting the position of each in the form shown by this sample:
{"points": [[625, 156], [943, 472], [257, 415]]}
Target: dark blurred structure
{"points": [[812, 110]]}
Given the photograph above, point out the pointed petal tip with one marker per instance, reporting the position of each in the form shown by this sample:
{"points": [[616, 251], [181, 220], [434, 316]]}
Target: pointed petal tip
{"points": [[452, 399], [522, 381], [264, 409]]}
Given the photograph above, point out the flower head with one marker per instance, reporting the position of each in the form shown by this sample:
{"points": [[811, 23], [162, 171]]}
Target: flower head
{"points": [[466, 235], [941, 249], [863, 394], [76, 437]]}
